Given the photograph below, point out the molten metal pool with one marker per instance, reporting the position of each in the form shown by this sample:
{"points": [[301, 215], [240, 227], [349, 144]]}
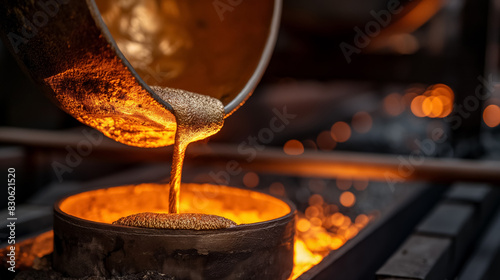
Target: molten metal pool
{"points": [[261, 246]]}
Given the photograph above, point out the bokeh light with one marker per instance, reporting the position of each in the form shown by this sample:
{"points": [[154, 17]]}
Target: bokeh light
{"points": [[303, 225], [316, 199], [435, 102], [394, 104], [251, 179], [320, 229], [293, 147], [309, 145], [491, 115], [325, 141], [341, 132], [347, 199], [417, 105]]}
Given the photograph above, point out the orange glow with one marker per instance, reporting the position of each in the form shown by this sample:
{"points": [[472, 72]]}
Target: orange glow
{"points": [[416, 17], [122, 110], [432, 106], [166, 47], [325, 230], [341, 132], [325, 141], [303, 258], [436, 102], [320, 230], [416, 106], [239, 205], [293, 147], [394, 104], [362, 122], [337, 219], [251, 180], [442, 89], [316, 222], [30, 250], [398, 36], [427, 106], [311, 212], [347, 199], [437, 106], [347, 220], [446, 96], [491, 115], [303, 225]]}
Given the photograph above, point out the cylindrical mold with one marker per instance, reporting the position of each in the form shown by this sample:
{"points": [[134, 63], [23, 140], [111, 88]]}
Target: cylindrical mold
{"points": [[85, 243]]}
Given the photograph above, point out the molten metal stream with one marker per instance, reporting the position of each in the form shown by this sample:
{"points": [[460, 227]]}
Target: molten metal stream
{"points": [[198, 117]]}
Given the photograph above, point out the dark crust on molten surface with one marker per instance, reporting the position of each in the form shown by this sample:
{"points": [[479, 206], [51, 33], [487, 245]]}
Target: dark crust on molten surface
{"points": [[193, 221]]}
